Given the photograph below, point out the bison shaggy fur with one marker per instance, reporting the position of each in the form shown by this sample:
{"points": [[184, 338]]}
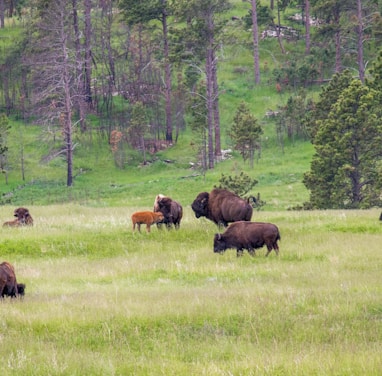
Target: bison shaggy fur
{"points": [[171, 210], [146, 217], [248, 235], [8, 282], [23, 218], [222, 207]]}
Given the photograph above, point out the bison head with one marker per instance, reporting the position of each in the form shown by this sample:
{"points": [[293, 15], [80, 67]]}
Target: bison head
{"points": [[219, 244], [23, 216], [21, 289], [200, 205]]}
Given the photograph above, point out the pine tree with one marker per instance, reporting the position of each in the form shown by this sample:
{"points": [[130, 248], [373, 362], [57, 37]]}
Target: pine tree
{"points": [[346, 170], [245, 133]]}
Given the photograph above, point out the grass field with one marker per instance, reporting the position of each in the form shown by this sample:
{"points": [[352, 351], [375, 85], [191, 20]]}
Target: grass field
{"points": [[102, 300]]}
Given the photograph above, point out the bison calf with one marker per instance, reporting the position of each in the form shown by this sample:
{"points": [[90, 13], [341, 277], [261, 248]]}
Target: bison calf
{"points": [[146, 217], [8, 282], [248, 235]]}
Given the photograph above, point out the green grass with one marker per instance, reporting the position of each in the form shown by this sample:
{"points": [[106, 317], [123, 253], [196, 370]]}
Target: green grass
{"points": [[102, 300]]}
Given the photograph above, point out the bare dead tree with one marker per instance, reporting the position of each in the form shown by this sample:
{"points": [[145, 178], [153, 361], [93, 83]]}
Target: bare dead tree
{"points": [[54, 73]]}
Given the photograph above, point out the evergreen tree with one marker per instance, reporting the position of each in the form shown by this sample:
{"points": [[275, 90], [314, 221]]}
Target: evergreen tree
{"points": [[136, 12], [328, 97], [245, 133], [346, 170]]}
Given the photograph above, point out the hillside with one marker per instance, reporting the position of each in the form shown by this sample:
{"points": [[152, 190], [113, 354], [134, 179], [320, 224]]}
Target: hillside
{"points": [[98, 182]]}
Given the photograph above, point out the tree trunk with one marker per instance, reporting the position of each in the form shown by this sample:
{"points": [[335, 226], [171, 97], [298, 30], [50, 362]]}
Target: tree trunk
{"points": [[209, 104], [361, 65], [88, 55], [216, 113], [210, 90], [277, 28], [255, 34], [307, 27], [2, 16], [66, 115], [167, 72], [79, 63], [337, 42]]}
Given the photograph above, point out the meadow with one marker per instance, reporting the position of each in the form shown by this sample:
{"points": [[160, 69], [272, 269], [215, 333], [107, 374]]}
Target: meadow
{"points": [[103, 300]]}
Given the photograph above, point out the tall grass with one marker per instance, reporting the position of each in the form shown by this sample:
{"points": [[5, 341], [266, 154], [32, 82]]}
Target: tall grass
{"points": [[102, 300]]}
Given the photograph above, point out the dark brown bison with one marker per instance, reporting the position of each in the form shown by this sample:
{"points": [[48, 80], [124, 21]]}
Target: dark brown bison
{"points": [[222, 207], [248, 235], [8, 282], [171, 209], [146, 217], [23, 218]]}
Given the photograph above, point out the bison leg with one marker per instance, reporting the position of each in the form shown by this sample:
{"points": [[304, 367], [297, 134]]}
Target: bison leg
{"points": [[239, 252], [148, 227], [269, 250], [251, 251], [276, 248]]}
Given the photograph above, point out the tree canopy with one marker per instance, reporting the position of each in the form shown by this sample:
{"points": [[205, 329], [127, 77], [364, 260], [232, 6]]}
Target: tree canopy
{"points": [[346, 170]]}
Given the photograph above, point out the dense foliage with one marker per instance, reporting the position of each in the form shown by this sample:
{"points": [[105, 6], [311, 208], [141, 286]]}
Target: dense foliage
{"points": [[78, 69], [346, 170]]}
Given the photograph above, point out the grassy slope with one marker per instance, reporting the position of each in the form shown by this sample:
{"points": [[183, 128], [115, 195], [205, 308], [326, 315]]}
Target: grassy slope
{"points": [[102, 300], [98, 182]]}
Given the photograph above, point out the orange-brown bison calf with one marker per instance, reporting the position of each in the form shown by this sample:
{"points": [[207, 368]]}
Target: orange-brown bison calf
{"points": [[248, 235], [8, 282], [23, 218], [146, 217]]}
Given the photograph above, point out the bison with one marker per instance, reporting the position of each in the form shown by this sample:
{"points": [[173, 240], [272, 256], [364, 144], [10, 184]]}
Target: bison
{"points": [[14, 223], [23, 218], [8, 282], [146, 217], [222, 207], [171, 210], [248, 235]]}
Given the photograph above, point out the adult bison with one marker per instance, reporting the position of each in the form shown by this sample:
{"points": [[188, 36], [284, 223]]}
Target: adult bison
{"points": [[23, 218], [171, 209], [222, 207], [248, 235], [8, 282]]}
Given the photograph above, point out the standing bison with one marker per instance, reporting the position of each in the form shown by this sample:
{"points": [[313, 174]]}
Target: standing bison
{"points": [[248, 235], [222, 207], [8, 282], [146, 217], [171, 209]]}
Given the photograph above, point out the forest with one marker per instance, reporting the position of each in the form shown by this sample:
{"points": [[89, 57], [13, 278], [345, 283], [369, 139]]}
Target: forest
{"points": [[143, 74]]}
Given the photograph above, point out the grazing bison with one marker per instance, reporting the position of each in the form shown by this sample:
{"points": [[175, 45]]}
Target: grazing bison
{"points": [[171, 210], [146, 217], [222, 207], [8, 282], [23, 218], [248, 235]]}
